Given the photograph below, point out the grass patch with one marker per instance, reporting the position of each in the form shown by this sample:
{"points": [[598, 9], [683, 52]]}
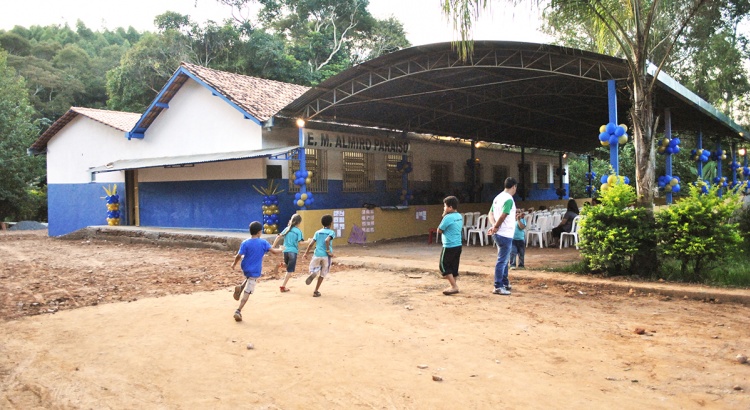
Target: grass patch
{"points": [[733, 271], [575, 267]]}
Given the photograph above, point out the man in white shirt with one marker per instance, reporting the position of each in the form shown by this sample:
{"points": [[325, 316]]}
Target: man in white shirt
{"points": [[502, 217]]}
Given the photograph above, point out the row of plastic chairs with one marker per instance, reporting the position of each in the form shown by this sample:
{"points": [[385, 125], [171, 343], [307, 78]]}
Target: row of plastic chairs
{"points": [[541, 231]]}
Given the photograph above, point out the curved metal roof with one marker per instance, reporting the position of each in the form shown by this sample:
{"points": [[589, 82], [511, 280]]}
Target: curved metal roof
{"points": [[522, 94]]}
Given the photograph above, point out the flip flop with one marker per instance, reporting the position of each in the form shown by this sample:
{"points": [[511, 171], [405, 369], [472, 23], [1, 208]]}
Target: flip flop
{"points": [[284, 289], [450, 292]]}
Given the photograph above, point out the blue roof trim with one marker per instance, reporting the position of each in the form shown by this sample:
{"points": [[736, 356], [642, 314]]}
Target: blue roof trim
{"points": [[220, 95], [139, 129]]}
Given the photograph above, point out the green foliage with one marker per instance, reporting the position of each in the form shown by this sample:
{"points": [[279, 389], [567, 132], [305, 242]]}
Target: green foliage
{"points": [[612, 233], [697, 231], [743, 224], [17, 132]]}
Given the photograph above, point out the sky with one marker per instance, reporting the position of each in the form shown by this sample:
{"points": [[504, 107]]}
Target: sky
{"points": [[423, 20]]}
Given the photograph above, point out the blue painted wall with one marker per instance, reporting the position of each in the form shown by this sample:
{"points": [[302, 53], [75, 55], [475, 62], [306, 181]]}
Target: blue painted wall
{"points": [[222, 205], [75, 206]]}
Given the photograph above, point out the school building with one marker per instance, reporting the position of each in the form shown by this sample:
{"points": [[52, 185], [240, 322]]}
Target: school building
{"points": [[382, 142]]}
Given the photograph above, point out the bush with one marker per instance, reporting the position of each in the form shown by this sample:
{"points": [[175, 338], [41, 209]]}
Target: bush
{"points": [[613, 232], [697, 231]]}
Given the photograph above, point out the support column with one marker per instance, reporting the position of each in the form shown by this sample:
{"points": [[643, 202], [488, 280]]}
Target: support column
{"points": [[668, 135], [591, 180], [700, 163], [302, 157], [612, 100], [718, 168], [522, 175]]}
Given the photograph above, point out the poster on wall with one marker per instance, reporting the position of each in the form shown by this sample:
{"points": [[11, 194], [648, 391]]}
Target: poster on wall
{"points": [[368, 220], [339, 224], [421, 214]]}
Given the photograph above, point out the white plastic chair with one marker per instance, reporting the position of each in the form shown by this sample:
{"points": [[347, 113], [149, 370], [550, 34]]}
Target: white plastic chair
{"points": [[480, 230], [539, 231], [468, 224], [572, 235]]}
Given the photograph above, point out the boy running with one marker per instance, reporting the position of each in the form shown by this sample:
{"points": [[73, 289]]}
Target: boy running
{"points": [[321, 261]]}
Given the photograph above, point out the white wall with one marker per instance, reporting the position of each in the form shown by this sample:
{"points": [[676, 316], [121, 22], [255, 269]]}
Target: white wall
{"points": [[198, 122], [242, 169], [84, 143]]}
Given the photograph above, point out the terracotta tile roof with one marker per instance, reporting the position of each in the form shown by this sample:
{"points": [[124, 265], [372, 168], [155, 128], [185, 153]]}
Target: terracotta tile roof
{"points": [[261, 98], [123, 121]]}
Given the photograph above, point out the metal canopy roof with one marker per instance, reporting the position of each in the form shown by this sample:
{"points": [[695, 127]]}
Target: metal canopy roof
{"points": [[522, 94]]}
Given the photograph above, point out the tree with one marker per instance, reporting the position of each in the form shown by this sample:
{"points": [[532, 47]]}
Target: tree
{"points": [[17, 132], [644, 31]]}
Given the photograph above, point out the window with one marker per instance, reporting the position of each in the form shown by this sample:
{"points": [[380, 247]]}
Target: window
{"points": [[357, 172], [542, 175], [440, 177], [499, 174], [316, 162], [393, 180]]}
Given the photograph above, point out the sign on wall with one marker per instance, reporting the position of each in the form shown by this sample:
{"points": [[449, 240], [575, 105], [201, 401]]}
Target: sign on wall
{"points": [[357, 143]]}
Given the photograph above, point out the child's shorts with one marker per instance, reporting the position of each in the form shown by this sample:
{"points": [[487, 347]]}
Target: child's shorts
{"points": [[449, 261], [250, 286], [320, 265], [290, 260]]}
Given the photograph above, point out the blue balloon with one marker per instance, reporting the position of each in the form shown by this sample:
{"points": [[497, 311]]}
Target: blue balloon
{"points": [[604, 136], [604, 179], [627, 181], [676, 189], [613, 140], [297, 196], [619, 131], [611, 127], [308, 201]]}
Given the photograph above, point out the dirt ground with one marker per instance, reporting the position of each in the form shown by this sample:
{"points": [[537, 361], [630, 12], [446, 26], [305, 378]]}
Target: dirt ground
{"points": [[93, 324]]}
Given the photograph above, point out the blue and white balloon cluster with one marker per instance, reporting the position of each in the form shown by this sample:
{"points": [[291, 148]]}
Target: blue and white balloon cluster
{"points": [[742, 172], [609, 181], [718, 155], [612, 134], [701, 155], [404, 166], [303, 199], [270, 214], [722, 182], [590, 189], [669, 183], [669, 146]]}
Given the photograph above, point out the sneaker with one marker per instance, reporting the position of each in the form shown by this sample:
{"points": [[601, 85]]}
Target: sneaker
{"points": [[237, 316], [283, 289], [316, 294], [310, 278], [507, 287], [238, 290], [501, 291], [512, 268]]}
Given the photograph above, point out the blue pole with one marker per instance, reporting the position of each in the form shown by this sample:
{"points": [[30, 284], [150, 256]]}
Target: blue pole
{"points": [[302, 158], [718, 169], [734, 164], [405, 179], [668, 135], [612, 100], [700, 163]]}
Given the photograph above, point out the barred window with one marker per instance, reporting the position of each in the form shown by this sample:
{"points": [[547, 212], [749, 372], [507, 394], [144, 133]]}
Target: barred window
{"points": [[357, 173], [440, 177], [393, 180], [542, 175], [499, 174], [316, 161]]}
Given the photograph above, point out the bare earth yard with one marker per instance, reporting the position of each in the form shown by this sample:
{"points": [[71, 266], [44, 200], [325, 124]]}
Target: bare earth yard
{"points": [[93, 324]]}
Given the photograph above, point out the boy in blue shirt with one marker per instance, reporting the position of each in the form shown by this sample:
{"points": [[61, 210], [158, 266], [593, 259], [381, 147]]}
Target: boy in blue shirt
{"points": [[292, 237], [321, 261], [450, 228], [251, 253], [519, 241]]}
